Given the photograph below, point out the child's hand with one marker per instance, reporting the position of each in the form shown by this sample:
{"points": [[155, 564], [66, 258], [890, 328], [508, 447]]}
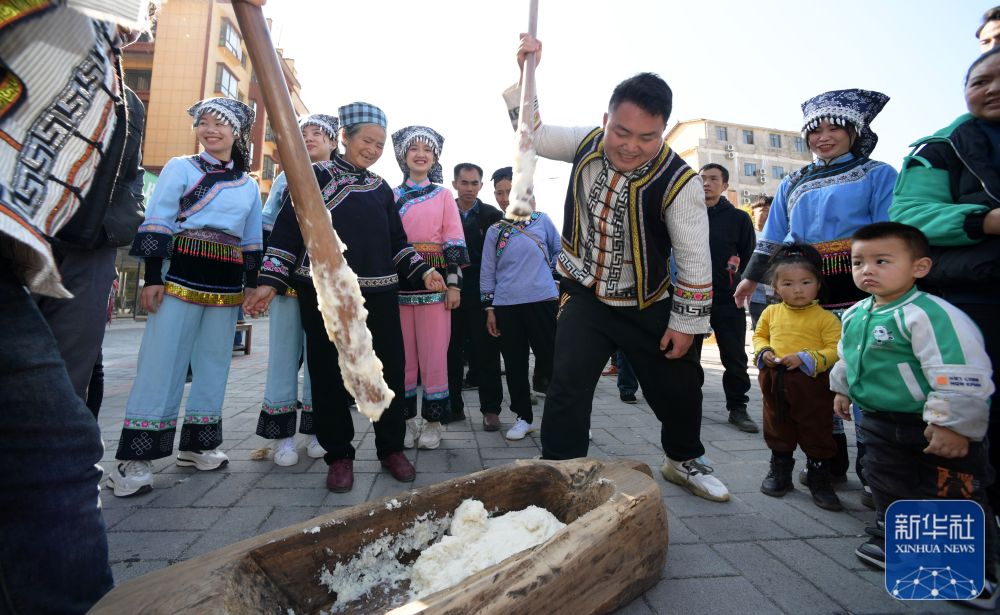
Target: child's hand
{"points": [[434, 282], [842, 407], [769, 359], [945, 442], [791, 361]]}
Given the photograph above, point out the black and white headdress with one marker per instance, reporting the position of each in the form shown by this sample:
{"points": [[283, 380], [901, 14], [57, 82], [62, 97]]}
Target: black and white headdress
{"points": [[843, 107], [329, 124], [237, 115], [403, 138]]}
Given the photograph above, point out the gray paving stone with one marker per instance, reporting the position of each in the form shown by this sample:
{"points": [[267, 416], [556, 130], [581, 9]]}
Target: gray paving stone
{"points": [[236, 524], [127, 570], [770, 576], [686, 561], [792, 519], [679, 533], [229, 490], [186, 490], [733, 528], [313, 496], [849, 590], [168, 519], [283, 516], [709, 596], [137, 546]]}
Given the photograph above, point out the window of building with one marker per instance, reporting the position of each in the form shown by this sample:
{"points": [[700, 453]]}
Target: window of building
{"points": [[138, 80], [775, 140], [749, 169], [800, 145], [229, 38], [748, 137], [268, 133], [721, 133], [267, 172], [226, 83], [778, 172]]}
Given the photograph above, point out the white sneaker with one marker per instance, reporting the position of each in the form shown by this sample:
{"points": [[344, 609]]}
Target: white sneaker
{"points": [[697, 478], [314, 449], [412, 432], [131, 477], [203, 460], [520, 429], [430, 437], [285, 453]]}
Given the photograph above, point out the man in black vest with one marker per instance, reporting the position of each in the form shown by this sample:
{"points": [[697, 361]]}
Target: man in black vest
{"points": [[468, 322], [632, 207], [87, 246], [731, 239]]}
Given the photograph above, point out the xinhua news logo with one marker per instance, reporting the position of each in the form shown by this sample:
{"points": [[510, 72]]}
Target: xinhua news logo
{"points": [[935, 549]]}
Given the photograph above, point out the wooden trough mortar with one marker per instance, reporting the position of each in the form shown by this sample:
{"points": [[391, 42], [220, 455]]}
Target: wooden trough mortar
{"points": [[612, 549]]}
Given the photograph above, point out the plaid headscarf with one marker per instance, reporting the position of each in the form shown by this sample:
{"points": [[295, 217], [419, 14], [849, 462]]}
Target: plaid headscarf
{"points": [[842, 107], [236, 115], [403, 138], [361, 113], [329, 124]]}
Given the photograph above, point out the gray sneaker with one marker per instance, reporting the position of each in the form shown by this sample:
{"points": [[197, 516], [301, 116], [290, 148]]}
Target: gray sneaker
{"points": [[696, 477]]}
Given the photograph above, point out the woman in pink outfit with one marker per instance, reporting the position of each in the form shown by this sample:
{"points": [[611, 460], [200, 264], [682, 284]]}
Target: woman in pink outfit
{"points": [[430, 218]]}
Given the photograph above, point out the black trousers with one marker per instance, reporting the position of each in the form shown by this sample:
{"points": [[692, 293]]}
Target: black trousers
{"points": [[468, 324], [987, 318], [588, 332], [331, 401], [729, 324], [897, 469], [522, 326]]}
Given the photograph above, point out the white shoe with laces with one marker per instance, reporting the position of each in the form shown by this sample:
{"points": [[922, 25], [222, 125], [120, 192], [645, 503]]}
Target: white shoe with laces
{"points": [[697, 478], [314, 449], [131, 477], [430, 437], [520, 429], [202, 460], [285, 453]]}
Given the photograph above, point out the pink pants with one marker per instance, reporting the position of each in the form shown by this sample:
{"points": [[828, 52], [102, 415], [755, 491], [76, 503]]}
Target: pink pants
{"points": [[426, 334]]}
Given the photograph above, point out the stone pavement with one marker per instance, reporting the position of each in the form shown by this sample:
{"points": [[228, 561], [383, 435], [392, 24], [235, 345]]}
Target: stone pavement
{"points": [[754, 554]]}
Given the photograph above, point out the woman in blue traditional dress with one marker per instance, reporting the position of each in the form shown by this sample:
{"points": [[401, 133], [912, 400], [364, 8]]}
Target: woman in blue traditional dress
{"points": [[286, 350], [201, 239], [823, 203]]}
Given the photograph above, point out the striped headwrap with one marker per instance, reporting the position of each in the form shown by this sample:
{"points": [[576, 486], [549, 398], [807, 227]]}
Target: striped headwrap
{"points": [[361, 113]]}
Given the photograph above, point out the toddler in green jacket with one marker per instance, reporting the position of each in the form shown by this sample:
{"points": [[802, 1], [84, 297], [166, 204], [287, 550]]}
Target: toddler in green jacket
{"points": [[917, 368]]}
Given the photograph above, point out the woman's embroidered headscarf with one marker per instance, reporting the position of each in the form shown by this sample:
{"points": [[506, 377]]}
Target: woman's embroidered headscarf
{"points": [[843, 107], [403, 138], [329, 124], [236, 115]]}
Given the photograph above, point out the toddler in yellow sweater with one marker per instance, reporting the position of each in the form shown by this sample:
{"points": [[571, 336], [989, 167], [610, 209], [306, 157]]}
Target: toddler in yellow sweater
{"points": [[795, 345]]}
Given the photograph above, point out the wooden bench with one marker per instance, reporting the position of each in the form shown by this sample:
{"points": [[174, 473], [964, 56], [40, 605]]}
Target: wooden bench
{"points": [[247, 329]]}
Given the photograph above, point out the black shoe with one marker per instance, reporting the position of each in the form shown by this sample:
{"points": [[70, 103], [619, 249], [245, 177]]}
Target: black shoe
{"points": [[742, 421], [987, 599], [834, 479], [819, 485], [628, 398], [779, 478], [873, 551]]}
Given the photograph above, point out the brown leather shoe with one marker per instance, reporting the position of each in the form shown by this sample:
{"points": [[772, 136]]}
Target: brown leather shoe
{"points": [[400, 467], [340, 476], [491, 421]]}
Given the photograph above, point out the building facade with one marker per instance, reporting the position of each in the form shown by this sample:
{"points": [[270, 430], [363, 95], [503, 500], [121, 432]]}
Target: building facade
{"points": [[757, 158], [196, 52]]}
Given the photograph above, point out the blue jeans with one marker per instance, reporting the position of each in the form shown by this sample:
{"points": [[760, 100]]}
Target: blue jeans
{"points": [[54, 550], [628, 384]]}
